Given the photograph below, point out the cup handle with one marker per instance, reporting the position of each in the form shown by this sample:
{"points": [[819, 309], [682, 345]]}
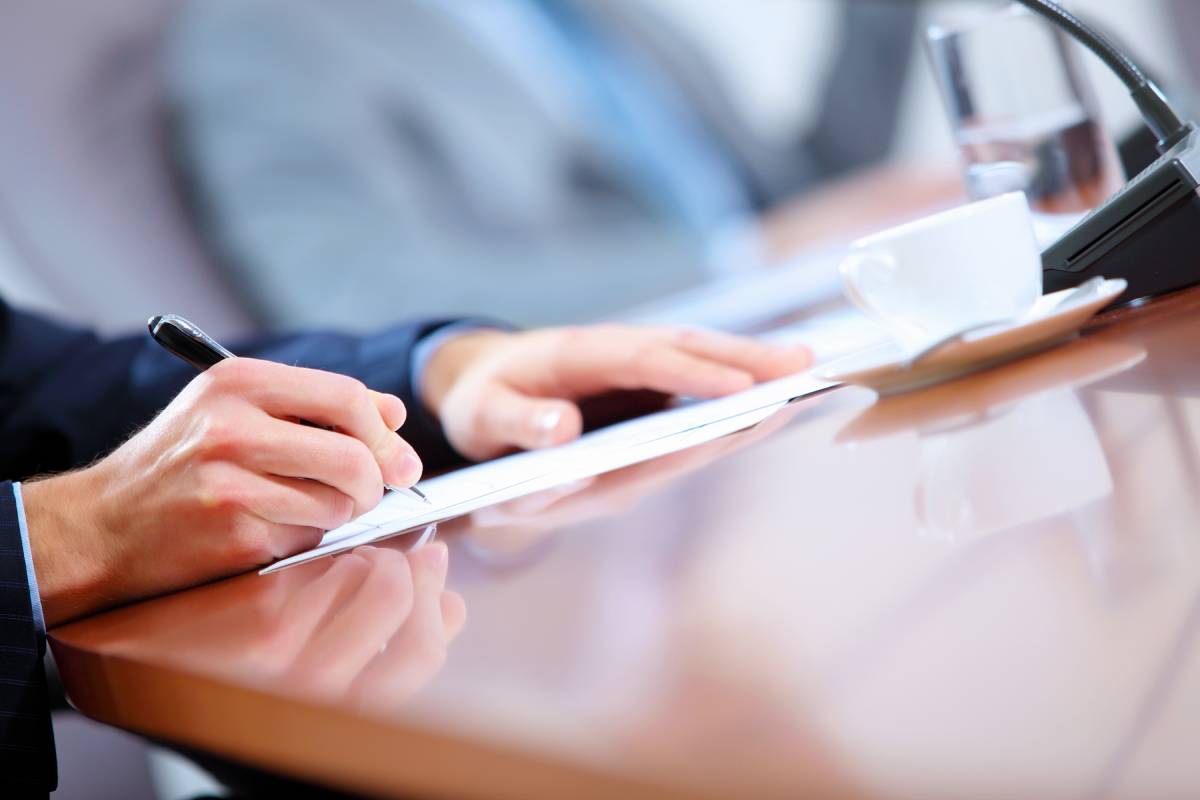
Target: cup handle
{"points": [[863, 270]]}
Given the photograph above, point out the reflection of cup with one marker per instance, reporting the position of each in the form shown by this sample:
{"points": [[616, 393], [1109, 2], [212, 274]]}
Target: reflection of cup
{"points": [[930, 278], [1037, 459]]}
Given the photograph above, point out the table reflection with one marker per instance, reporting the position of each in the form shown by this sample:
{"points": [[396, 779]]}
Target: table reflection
{"points": [[513, 532], [366, 629], [1021, 451]]}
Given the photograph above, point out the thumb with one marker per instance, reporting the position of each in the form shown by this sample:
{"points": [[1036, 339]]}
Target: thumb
{"points": [[510, 419]]}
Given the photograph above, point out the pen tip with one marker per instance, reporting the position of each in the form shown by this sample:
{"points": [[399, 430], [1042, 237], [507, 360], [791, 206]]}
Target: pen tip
{"points": [[153, 322]]}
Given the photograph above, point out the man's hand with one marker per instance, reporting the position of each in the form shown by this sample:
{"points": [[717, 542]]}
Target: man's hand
{"points": [[495, 391], [224, 479]]}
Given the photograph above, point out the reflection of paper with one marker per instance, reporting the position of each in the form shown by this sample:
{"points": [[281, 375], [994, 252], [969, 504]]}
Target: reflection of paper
{"points": [[601, 451]]}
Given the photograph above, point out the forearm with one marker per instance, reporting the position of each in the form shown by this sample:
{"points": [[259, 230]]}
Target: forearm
{"points": [[71, 573]]}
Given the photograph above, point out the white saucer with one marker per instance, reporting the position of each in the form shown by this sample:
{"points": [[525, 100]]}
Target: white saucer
{"points": [[885, 367]]}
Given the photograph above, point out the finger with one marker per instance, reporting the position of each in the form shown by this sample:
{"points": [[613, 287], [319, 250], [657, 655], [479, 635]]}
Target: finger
{"points": [[509, 419], [365, 624], [589, 361], [292, 501], [454, 614], [391, 408], [664, 368], [418, 651], [327, 399], [764, 361], [290, 627], [290, 450]]}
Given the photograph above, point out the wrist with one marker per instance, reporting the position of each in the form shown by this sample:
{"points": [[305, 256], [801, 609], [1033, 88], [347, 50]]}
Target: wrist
{"points": [[448, 362], [62, 537]]}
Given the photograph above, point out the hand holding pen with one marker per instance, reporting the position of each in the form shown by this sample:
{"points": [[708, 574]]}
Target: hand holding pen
{"points": [[220, 481], [185, 340]]}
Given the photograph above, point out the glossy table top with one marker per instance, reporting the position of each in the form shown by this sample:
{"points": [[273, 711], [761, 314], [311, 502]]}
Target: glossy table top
{"points": [[986, 589]]}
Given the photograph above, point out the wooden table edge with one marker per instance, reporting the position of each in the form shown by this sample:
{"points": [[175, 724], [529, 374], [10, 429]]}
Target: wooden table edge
{"points": [[290, 736]]}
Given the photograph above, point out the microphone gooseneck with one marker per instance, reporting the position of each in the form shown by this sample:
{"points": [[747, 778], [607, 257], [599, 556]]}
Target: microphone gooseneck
{"points": [[1167, 126]]}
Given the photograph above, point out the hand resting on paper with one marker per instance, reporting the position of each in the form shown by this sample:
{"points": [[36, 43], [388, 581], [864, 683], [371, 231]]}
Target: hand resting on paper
{"points": [[495, 392]]}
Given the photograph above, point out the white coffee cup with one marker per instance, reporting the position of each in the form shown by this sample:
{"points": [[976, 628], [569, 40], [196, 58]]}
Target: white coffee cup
{"points": [[942, 274]]}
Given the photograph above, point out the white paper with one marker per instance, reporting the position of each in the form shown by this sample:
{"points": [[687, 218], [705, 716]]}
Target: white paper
{"points": [[605, 450]]}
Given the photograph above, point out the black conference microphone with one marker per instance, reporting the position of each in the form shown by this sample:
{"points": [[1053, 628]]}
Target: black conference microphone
{"points": [[1149, 232]]}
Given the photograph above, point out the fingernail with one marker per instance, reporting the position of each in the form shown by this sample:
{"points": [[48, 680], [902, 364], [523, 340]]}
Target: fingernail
{"points": [[411, 468], [546, 421]]}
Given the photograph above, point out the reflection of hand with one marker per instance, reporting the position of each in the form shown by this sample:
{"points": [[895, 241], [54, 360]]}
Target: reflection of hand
{"points": [[497, 391], [515, 525], [370, 626], [389, 637], [222, 480]]}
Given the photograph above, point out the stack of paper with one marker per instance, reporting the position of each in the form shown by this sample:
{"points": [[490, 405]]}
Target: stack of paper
{"points": [[601, 451]]}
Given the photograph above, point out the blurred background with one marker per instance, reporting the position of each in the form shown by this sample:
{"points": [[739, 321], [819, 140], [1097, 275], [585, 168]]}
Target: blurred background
{"points": [[258, 164]]}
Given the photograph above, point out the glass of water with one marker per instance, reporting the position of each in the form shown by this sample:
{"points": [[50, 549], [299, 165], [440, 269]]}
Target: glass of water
{"points": [[1024, 116]]}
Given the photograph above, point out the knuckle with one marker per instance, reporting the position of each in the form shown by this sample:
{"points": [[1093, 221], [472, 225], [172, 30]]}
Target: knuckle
{"points": [[688, 337], [348, 392], [220, 493], [221, 440], [339, 509], [361, 469], [230, 375]]}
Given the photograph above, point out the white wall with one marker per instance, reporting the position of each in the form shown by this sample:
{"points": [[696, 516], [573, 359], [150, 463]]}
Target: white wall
{"points": [[763, 47]]}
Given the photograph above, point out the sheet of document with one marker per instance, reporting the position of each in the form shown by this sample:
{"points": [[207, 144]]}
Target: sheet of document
{"points": [[605, 450]]}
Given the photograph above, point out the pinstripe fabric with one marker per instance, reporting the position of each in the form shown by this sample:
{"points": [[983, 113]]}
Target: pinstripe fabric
{"points": [[27, 761]]}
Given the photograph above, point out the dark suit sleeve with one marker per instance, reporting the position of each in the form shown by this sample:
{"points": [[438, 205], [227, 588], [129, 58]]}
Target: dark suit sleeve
{"points": [[67, 398], [27, 761]]}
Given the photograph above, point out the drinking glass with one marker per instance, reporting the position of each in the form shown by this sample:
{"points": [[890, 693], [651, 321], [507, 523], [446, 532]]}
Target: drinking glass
{"points": [[1024, 116]]}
